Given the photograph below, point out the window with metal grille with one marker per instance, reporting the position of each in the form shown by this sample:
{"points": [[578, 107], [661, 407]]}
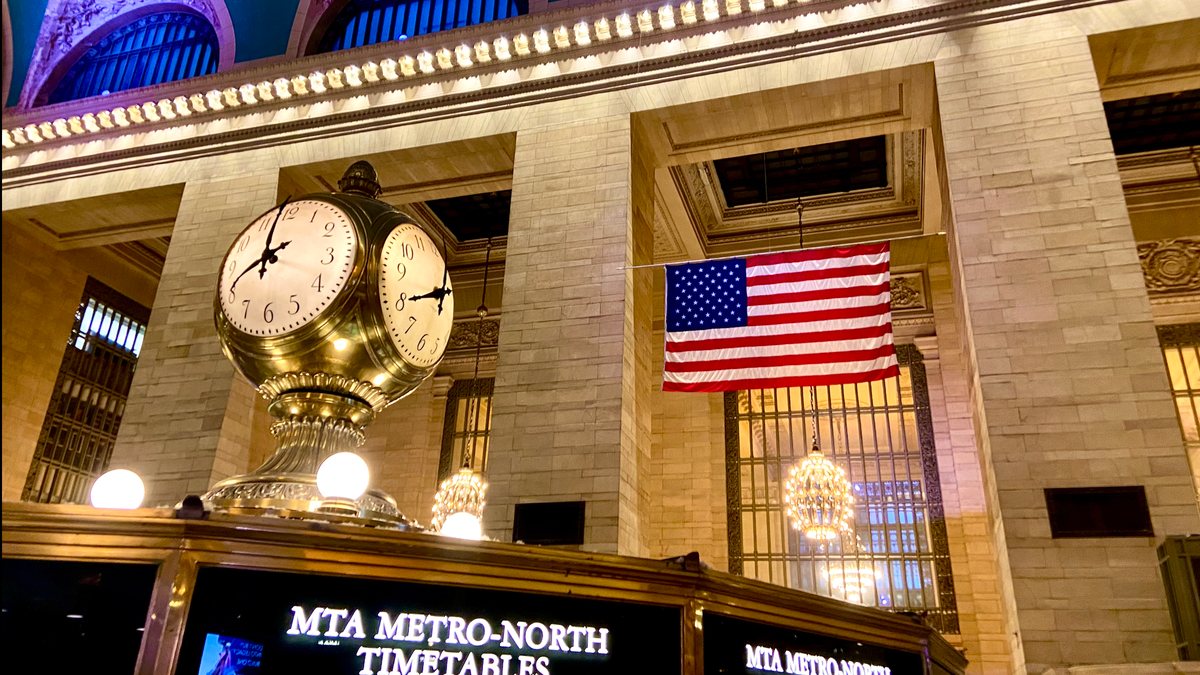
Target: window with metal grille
{"points": [[366, 22], [467, 426], [881, 433], [89, 396], [1181, 350], [151, 50]]}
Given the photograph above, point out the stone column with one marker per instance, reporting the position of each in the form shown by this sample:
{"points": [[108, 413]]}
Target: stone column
{"points": [[571, 413], [187, 424], [1069, 386]]}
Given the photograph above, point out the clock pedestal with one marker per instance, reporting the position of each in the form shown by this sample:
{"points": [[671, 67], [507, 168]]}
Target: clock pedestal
{"points": [[309, 427]]}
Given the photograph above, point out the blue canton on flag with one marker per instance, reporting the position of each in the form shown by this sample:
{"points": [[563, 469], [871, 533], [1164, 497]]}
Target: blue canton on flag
{"points": [[706, 295]]}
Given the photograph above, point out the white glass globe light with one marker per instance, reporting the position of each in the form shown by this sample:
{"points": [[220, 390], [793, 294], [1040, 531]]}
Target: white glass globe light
{"points": [[343, 476], [462, 525], [118, 489]]}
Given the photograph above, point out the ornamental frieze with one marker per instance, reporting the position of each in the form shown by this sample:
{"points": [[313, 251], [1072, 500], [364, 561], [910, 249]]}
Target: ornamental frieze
{"points": [[1171, 265]]}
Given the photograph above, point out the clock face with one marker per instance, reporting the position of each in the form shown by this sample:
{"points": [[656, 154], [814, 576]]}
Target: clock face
{"points": [[414, 289], [287, 267]]}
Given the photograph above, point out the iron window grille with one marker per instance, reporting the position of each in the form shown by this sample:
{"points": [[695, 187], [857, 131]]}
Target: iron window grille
{"points": [[366, 22], [151, 50], [89, 396], [882, 434], [1181, 351], [467, 428]]}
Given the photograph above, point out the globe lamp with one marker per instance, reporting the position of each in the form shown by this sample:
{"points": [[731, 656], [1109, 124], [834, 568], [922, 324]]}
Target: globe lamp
{"points": [[463, 525], [118, 489], [458, 505], [341, 480]]}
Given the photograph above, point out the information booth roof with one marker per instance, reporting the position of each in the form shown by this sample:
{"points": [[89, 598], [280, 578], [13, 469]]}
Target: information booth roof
{"points": [[481, 577]]}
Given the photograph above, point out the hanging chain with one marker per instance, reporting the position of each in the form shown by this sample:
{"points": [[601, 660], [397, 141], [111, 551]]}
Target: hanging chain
{"points": [[476, 395]]}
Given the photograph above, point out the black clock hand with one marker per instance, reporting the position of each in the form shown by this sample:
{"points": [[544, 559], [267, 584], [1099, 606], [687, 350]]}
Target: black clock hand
{"points": [[445, 291], [267, 252], [268, 256], [436, 293]]}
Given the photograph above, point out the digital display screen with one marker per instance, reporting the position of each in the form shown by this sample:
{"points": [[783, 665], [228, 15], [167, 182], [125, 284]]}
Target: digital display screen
{"points": [[253, 622], [747, 647]]}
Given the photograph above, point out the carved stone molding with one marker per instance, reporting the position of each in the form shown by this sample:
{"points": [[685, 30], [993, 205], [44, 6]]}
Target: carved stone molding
{"points": [[1171, 265], [908, 291], [466, 334]]}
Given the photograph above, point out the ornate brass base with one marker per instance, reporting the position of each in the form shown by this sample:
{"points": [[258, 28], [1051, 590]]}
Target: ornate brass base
{"points": [[309, 427]]}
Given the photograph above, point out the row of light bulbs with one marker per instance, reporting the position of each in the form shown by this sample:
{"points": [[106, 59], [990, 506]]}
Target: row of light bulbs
{"points": [[540, 41]]}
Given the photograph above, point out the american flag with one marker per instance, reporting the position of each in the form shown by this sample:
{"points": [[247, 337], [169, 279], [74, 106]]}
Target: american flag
{"points": [[795, 319]]}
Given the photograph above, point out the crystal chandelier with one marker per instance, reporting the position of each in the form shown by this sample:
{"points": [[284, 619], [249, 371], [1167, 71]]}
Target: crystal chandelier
{"points": [[458, 504], [819, 501], [852, 579]]}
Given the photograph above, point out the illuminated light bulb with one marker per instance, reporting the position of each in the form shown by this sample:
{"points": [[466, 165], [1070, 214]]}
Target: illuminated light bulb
{"points": [[645, 21], [482, 52], [407, 66], [343, 476], [521, 44], [541, 41], [353, 75], [61, 129], [118, 489], [181, 106], [44, 131], [666, 16], [462, 525], [387, 68], [8, 139], [118, 115], [166, 109], [379, 379], [19, 136], [711, 13], [425, 62], [300, 85], [624, 27], [333, 77], [340, 344], [757, 5], [31, 133], [818, 498], [370, 71], [501, 45], [444, 58], [263, 89], [283, 87], [462, 493], [248, 92], [316, 82], [89, 123], [76, 125], [602, 31], [135, 114], [462, 54], [688, 11], [150, 112], [561, 39], [197, 102], [231, 97], [779, 3], [105, 119], [583, 36], [214, 100], [733, 7]]}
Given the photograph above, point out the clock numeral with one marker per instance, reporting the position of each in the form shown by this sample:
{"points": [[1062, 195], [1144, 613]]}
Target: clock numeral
{"points": [[232, 296], [402, 270], [245, 241], [291, 213], [436, 342], [314, 217], [268, 315], [328, 250], [264, 224], [328, 229], [232, 266], [420, 243], [406, 250], [245, 308], [412, 322], [400, 302], [316, 283], [421, 342], [294, 304]]}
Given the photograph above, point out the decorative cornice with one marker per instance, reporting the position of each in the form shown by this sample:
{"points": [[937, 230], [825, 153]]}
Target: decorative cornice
{"points": [[1171, 265]]}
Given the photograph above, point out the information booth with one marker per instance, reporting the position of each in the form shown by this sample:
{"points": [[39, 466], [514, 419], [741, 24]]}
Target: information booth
{"points": [[146, 591]]}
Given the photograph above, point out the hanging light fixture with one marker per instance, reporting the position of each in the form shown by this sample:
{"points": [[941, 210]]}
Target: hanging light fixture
{"points": [[854, 580], [819, 501], [458, 504]]}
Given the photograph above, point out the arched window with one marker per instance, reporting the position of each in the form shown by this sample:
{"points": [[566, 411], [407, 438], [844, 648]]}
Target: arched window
{"points": [[151, 50], [365, 22]]}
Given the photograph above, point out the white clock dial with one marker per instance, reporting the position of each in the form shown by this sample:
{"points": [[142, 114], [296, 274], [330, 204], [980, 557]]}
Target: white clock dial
{"points": [[414, 289], [287, 267]]}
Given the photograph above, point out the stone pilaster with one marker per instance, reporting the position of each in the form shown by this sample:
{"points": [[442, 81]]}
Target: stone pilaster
{"points": [[566, 424], [1069, 386], [186, 425]]}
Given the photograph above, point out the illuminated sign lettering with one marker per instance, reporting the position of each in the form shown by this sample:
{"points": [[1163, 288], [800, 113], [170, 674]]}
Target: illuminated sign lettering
{"points": [[798, 663]]}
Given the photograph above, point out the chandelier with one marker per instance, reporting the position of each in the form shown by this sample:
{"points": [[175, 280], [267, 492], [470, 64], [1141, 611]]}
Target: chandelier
{"points": [[852, 579], [458, 503], [819, 501]]}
